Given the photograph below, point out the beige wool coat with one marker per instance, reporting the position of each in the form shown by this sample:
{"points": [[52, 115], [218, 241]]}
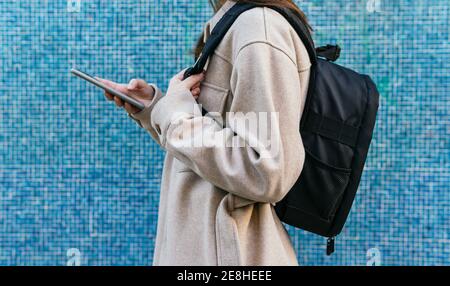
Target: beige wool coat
{"points": [[216, 201]]}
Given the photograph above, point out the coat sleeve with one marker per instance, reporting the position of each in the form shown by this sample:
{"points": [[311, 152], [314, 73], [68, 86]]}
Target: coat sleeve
{"points": [[259, 162], [143, 118]]}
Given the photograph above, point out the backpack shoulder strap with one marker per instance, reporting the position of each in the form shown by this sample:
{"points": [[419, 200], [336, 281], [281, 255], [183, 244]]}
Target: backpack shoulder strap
{"points": [[301, 29], [224, 24], [217, 34]]}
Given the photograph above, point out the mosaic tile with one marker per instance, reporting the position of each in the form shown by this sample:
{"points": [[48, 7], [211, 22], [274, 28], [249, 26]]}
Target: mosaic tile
{"points": [[79, 181]]}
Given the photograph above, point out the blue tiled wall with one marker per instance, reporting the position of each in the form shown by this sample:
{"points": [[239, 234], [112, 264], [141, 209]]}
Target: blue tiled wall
{"points": [[79, 181]]}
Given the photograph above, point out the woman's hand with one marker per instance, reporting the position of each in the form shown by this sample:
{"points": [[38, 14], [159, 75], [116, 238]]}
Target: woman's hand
{"points": [[143, 92], [191, 84], [137, 89]]}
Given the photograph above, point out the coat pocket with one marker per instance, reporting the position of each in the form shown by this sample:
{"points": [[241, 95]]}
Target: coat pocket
{"points": [[180, 167], [213, 98]]}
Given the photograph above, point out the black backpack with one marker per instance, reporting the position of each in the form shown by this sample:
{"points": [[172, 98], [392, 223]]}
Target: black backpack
{"points": [[336, 128]]}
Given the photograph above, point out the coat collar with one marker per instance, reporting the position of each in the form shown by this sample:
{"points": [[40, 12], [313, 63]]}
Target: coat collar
{"points": [[216, 18]]}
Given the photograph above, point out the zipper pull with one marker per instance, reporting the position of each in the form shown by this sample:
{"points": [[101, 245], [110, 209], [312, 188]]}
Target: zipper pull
{"points": [[330, 245]]}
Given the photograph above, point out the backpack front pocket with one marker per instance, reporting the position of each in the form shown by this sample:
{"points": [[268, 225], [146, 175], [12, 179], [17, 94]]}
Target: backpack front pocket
{"points": [[319, 188]]}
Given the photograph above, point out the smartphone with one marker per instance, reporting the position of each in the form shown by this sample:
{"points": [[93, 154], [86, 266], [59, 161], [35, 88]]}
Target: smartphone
{"points": [[111, 91]]}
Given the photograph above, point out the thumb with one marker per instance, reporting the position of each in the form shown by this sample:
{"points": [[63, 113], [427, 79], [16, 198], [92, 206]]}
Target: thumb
{"points": [[137, 84], [111, 84], [193, 80]]}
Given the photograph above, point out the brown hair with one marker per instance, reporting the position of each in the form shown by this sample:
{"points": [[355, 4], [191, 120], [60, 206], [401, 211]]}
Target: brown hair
{"points": [[216, 4]]}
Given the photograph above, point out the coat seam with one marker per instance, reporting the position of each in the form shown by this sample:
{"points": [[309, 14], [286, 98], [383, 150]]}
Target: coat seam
{"points": [[270, 45], [235, 233], [223, 57], [265, 25], [219, 242]]}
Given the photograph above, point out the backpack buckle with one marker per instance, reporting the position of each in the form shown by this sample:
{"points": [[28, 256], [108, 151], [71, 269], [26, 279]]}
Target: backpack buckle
{"points": [[329, 52], [330, 246]]}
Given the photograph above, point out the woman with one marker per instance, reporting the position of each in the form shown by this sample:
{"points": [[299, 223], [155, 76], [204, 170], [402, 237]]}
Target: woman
{"points": [[216, 204]]}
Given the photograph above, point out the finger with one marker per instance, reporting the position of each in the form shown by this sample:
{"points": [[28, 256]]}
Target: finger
{"points": [[196, 86], [175, 80], [106, 82], [180, 75], [113, 85], [137, 84], [193, 80], [196, 91], [109, 96], [130, 108], [118, 101]]}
